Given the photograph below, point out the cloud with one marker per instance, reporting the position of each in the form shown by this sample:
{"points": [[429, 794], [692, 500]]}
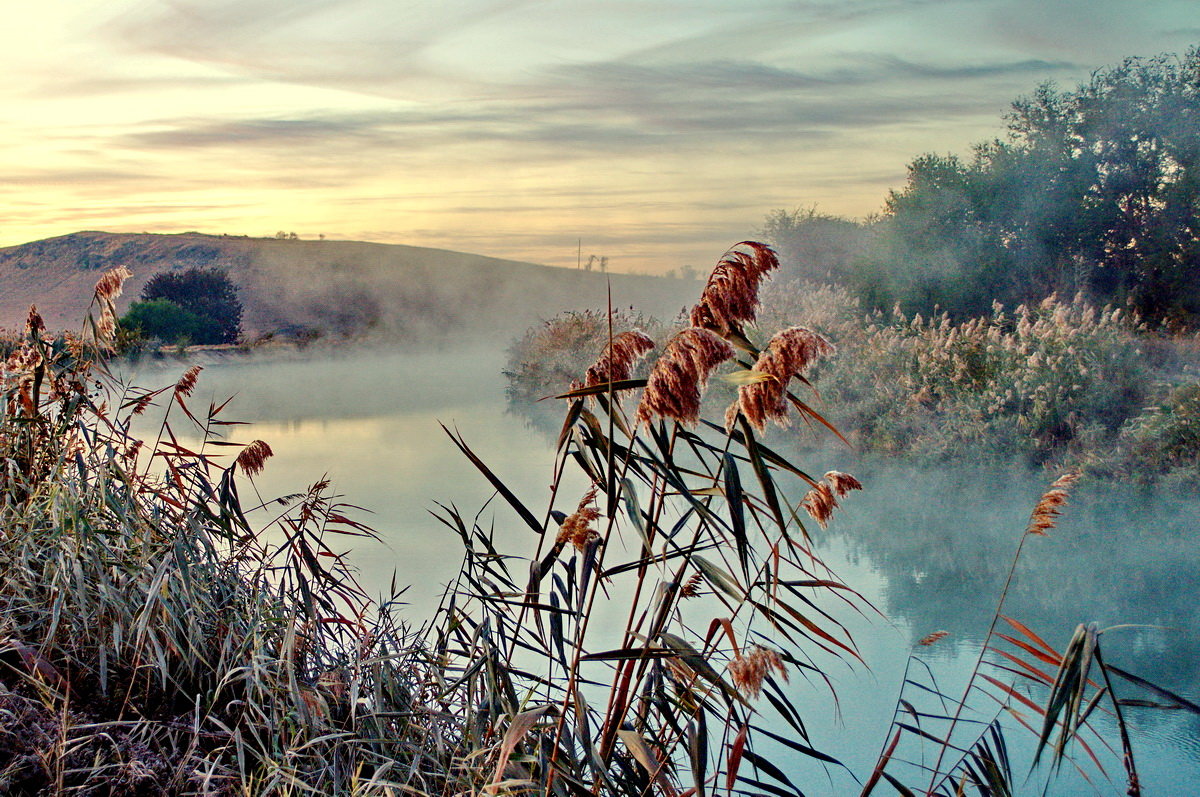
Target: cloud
{"points": [[619, 107]]}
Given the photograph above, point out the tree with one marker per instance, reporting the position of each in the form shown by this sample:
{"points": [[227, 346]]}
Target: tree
{"points": [[207, 293], [1096, 189]]}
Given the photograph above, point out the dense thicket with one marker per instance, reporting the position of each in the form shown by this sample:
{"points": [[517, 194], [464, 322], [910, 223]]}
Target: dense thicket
{"points": [[197, 305], [1095, 190]]}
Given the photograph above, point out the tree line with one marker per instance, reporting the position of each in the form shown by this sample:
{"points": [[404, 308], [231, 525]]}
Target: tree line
{"points": [[1093, 190]]}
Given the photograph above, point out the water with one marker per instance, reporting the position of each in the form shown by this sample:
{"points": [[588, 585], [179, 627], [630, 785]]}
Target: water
{"points": [[929, 549]]}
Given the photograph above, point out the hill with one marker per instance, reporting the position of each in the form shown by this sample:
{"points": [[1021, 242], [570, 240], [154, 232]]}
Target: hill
{"points": [[334, 287]]}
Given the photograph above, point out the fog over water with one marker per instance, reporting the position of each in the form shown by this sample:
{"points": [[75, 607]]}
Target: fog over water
{"points": [[930, 549]]}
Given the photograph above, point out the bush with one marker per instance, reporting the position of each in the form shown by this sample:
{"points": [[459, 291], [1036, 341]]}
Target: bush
{"points": [[164, 320], [553, 354], [208, 293]]}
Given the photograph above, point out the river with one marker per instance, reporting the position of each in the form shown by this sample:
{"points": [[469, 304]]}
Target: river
{"points": [[929, 548]]}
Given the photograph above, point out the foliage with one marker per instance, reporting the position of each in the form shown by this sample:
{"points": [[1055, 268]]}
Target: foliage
{"points": [[722, 596], [815, 246], [1044, 382], [161, 637], [1093, 190], [164, 320], [157, 636], [207, 293], [1038, 382], [1163, 441], [553, 354]]}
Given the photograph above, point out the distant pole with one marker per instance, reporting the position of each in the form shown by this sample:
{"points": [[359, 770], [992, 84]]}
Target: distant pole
{"points": [[579, 254]]}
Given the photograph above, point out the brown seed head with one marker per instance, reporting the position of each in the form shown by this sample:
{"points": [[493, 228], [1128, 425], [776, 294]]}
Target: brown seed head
{"points": [[110, 284], [842, 483], [790, 352], [822, 499], [691, 587], [34, 323], [187, 382], [141, 404], [680, 375], [730, 297], [577, 528], [1050, 506], [820, 502], [750, 669], [618, 358], [254, 457]]}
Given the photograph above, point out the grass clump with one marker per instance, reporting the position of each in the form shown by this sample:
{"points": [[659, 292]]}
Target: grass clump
{"points": [[1045, 383], [157, 636]]}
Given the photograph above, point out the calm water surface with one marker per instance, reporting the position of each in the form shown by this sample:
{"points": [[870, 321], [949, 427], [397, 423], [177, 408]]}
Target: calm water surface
{"points": [[929, 549]]}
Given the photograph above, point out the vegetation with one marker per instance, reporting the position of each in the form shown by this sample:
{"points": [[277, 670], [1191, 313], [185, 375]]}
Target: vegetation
{"points": [[1095, 190], [197, 305], [1047, 383], [159, 636]]}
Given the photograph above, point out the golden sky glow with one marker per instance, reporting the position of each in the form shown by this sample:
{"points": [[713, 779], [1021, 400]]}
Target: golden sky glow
{"points": [[659, 132]]}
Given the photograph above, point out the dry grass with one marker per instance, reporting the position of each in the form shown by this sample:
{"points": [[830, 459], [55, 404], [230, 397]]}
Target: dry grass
{"points": [[157, 636]]}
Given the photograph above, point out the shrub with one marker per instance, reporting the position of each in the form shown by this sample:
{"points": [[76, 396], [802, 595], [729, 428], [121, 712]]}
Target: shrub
{"points": [[553, 354], [208, 293], [164, 320]]}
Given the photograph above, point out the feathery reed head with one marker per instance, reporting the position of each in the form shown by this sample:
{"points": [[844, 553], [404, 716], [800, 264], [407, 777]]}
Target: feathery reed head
{"points": [[691, 587], [750, 669], [678, 379], [822, 499], [254, 457], [34, 324], [730, 297], [577, 528], [842, 483], [618, 358], [187, 382], [108, 288], [110, 284], [1045, 514], [790, 352], [820, 502]]}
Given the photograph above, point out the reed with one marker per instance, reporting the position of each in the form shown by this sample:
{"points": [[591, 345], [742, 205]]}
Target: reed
{"points": [[157, 636]]}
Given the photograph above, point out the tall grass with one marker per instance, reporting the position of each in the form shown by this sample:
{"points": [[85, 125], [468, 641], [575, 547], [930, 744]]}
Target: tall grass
{"points": [[158, 636], [1049, 383], [677, 695]]}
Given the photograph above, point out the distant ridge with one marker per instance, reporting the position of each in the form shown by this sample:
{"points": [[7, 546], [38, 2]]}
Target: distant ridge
{"points": [[334, 287]]}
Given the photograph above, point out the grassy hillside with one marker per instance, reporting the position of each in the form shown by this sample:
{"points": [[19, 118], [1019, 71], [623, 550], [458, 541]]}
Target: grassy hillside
{"points": [[335, 287]]}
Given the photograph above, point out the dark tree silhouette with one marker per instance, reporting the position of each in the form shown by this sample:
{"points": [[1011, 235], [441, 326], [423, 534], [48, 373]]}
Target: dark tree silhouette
{"points": [[208, 293]]}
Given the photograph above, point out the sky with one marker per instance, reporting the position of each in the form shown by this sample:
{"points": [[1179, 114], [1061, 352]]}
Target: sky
{"points": [[657, 132]]}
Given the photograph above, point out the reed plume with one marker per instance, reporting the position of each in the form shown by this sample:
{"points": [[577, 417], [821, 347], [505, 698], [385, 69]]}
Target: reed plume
{"points": [[108, 288], [789, 353], [749, 670], [822, 499], [34, 325], [187, 382], [254, 457], [1045, 513], [678, 379], [730, 297], [577, 529], [618, 358]]}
